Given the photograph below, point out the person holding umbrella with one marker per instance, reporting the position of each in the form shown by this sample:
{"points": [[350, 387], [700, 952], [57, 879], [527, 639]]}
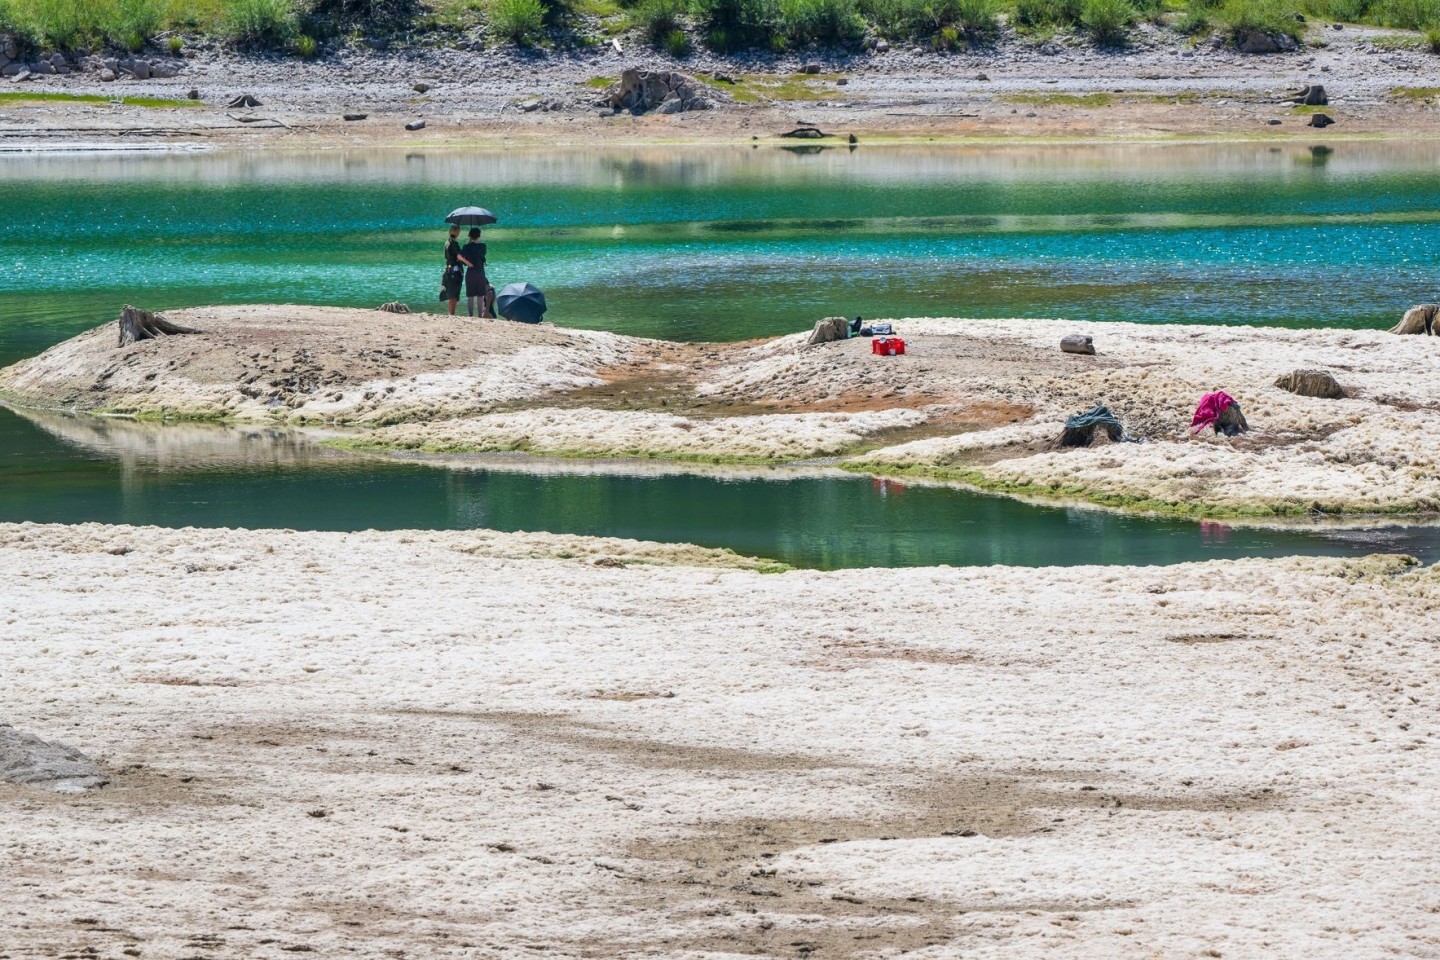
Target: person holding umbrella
{"points": [[473, 253], [454, 274], [454, 255]]}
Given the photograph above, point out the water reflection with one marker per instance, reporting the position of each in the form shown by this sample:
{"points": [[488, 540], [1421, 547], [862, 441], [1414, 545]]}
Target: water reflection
{"points": [[55, 468]]}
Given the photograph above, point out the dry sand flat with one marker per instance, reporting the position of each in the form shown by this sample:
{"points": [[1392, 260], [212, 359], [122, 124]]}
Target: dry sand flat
{"points": [[978, 401], [484, 745]]}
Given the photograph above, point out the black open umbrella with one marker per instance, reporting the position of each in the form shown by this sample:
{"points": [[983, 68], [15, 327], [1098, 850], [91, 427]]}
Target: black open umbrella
{"points": [[521, 302], [471, 217]]}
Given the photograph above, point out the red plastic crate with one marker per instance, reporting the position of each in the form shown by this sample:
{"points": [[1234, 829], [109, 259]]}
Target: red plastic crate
{"points": [[887, 346]]}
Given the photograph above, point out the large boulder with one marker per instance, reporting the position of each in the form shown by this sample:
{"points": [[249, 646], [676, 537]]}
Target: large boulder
{"points": [[664, 91], [28, 760], [1255, 41], [1311, 383]]}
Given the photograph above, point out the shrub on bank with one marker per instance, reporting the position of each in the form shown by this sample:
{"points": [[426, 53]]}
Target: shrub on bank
{"points": [[823, 22], [68, 24], [1107, 21], [520, 21], [1040, 14], [1273, 17], [260, 23], [1409, 14], [659, 18], [737, 24]]}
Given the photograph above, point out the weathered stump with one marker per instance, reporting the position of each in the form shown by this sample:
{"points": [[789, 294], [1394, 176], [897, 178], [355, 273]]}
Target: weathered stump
{"points": [[137, 325], [1078, 343], [1311, 383], [831, 328], [1420, 319]]}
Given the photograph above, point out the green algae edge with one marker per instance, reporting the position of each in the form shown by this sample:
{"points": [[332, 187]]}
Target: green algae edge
{"points": [[362, 445], [160, 416], [1124, 503]]}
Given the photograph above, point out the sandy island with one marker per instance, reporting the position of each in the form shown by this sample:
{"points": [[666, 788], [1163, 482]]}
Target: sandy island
{"points": [[978, 402], [478, 744]]}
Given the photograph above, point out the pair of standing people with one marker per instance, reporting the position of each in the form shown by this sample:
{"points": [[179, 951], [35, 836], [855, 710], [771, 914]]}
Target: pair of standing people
{"points": [[466, 265]]}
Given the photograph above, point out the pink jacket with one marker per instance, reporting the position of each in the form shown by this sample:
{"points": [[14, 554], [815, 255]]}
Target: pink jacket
{"points": [[1209, 410]]}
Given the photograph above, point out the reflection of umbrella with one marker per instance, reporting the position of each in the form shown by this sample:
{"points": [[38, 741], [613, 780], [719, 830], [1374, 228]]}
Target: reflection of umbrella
{"points": [[521, 302], [471, 217]]}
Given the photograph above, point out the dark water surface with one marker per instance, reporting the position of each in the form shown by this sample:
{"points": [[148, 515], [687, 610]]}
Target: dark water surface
{"points": [[67, 469], [730, 242]]}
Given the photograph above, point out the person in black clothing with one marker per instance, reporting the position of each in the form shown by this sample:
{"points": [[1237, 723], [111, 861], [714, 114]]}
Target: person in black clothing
{"points": [[473, 253], [454, 273]]}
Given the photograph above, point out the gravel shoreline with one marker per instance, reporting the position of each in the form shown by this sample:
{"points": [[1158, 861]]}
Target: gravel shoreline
{"points": [[1159, 86]]}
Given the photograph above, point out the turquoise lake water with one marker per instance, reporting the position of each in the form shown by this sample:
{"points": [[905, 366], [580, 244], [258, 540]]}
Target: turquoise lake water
{"points": [[700, 243], [729, 243]]}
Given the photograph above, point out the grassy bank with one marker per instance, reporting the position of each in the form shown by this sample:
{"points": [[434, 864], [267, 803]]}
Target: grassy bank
{"points": [[303, 27]]}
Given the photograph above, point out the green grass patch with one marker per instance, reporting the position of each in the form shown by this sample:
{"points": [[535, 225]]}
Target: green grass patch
{"points": [[40, 97], [1397, 42], [1063, 99], [757, 87], [600, 83], [1418, 94]]}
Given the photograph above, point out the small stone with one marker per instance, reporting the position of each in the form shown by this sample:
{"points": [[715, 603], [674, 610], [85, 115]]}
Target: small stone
{"points": [[842, 82], [1273, 123], [194, 94], [107, 75], [415, 125], [164, 71], [140, 70], [421, 87], [810, 68], [355, 116], [982, 76], [1321, 120], [882, 46]]}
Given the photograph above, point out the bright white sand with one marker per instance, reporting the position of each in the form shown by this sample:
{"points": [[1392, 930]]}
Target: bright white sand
{"points": [[594, 432], [1378, 450], [516, 752]]}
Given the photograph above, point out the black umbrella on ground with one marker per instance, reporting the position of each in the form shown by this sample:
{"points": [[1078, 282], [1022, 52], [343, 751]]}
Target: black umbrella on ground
{"points": [[471, 217], [521, 302]]}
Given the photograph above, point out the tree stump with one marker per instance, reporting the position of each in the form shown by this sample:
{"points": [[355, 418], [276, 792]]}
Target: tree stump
{"points": [[828, 330], [1078, 343], [1420, 319], [1311, 383], [137, 325]]}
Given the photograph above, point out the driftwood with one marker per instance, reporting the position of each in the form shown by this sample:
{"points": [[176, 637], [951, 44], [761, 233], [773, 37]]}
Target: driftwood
{"points": [[806, 133], [1420, 319], [1078, 343], [1311, 383], [394, 306], [137, 325], [244, 100]]}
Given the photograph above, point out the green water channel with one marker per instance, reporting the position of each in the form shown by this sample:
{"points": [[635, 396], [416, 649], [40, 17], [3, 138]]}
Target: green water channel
{"points": [[694, 243], [56, 468]]}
